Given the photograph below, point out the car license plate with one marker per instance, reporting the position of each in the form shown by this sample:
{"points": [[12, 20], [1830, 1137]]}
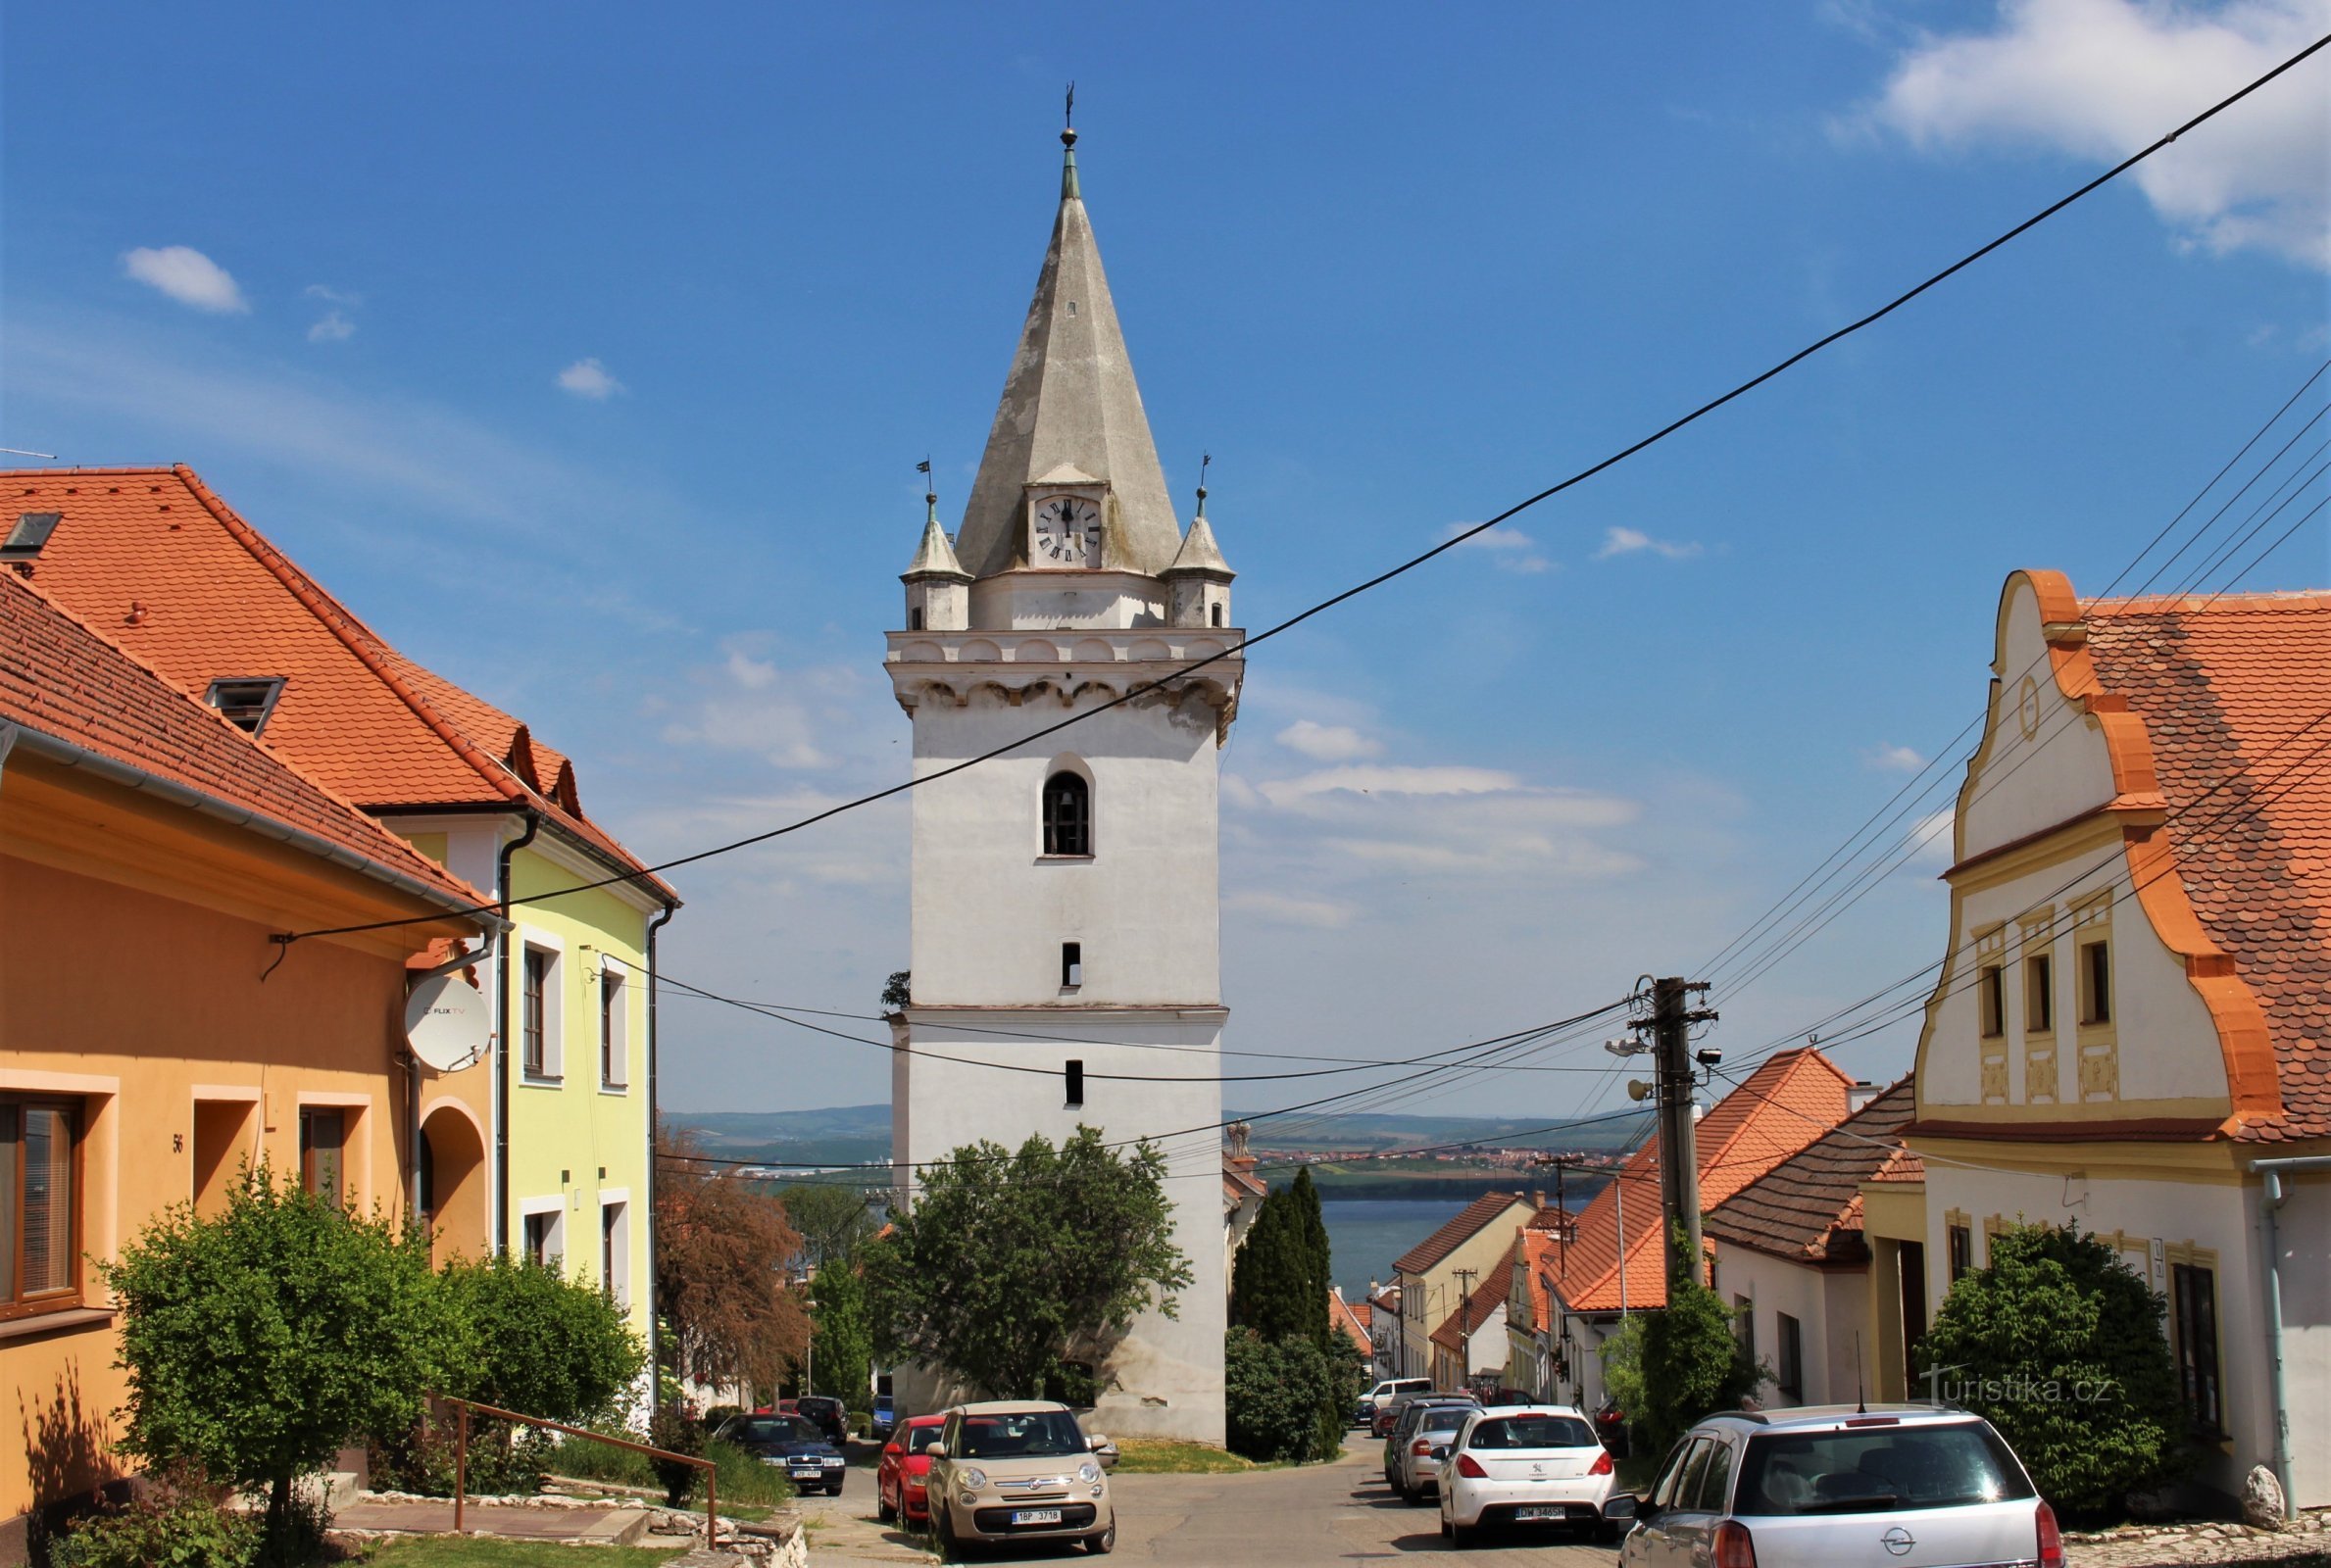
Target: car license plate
{"points": [[1036, 1516], [1540, 1513]]}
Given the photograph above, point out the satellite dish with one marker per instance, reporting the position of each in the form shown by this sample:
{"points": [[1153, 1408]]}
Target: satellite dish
{"points": [[445, 1022]]}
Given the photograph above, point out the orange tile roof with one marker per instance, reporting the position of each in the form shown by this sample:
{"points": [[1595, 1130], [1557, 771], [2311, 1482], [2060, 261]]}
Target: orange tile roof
{"points": [[1348, 1318], [171, 571], [1792, 1098], [1808, 1208], [2227, 689], [1470, 1317], [66, 680], [1456, 1233]]}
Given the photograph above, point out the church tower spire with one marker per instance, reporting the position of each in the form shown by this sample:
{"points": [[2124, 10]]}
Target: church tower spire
{"points": [[1071, 415]]}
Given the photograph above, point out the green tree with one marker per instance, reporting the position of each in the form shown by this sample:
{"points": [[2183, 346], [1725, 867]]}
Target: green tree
{"points": [[1271, 1276], [527, 1339], [831, 1218], [722, 1246], [1318, 1264], [2060, 1345], [842, 1335], [1011, 1263], [260, 1340], [1622, 1367], [898, 992], [1692, 1362], [1272, 1392]]}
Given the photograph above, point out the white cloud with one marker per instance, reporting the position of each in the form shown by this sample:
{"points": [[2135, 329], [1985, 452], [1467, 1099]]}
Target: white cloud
{"points": [[588, 378], [1894, 760], [1280, 908], [334, 296], [1387, 780], [786, 717], [1327, 743], [1934, 840], [186, 275], [333, 328], [1618, 541], [2098, 80], [1515, 550]]}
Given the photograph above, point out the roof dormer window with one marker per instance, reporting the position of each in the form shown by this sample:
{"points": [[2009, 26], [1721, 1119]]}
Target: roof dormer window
{"points": [[30, 531], [245, 702]]}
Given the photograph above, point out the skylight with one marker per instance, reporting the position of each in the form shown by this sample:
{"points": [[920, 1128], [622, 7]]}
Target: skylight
{"points": [[246, 702], [31, 532]]}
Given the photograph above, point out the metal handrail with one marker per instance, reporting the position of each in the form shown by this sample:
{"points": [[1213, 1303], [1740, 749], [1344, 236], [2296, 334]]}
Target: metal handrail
{"points": [[460, 1456]]}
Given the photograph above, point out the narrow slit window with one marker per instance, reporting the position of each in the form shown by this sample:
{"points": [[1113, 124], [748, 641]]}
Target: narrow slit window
{"points": [[1217, 615], [1071, 966], [914, 619], [1067, 815], [2038, 992], [1992, 997], [1075, 1076], [2095, 983]]}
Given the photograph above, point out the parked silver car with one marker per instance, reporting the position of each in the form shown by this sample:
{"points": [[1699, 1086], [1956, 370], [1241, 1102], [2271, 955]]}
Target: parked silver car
{"points": [[1421, 1446], [1911, 1486]]}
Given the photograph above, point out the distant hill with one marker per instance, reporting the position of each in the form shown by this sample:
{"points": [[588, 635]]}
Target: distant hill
{"points": [[859, 1134]]}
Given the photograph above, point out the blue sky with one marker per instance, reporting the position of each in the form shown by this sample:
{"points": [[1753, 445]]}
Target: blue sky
{"points": [[588, 355]]}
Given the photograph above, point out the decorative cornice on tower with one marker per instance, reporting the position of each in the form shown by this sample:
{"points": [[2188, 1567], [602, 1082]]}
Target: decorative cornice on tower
{"points": [[1071, 399]]}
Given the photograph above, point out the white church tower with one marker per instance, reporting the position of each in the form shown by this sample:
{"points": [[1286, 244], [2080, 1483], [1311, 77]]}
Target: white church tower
{"points": [[1066, 893]]}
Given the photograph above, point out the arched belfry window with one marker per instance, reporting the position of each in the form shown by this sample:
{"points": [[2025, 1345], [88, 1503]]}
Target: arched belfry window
{"points": [[1068, 815]]}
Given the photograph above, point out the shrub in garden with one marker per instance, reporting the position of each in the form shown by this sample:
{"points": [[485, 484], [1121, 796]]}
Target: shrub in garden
{"points": [[179, 1524], [2060, 1345], [676, 1433], [260, 1340], [1272, 1392], [1691, 1363]]}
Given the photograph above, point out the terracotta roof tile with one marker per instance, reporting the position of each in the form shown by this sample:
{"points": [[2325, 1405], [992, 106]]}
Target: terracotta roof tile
{"points": [[2228, 688], [1808, 1208], [1456, 1232], [1348, 1317], [171, 571], [67, 680], [1792, 1098]]}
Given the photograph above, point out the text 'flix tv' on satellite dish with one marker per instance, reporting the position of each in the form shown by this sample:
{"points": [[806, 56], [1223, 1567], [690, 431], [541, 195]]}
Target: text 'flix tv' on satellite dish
{"points": [[445, 1022]]}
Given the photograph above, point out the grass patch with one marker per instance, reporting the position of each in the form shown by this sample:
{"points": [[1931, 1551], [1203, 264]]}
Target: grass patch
{"points": [[1146, 1456], [449, 1551]]}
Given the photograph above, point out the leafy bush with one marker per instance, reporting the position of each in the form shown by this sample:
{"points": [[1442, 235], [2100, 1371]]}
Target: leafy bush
{"points": [[174, 1526], [1692, 1363], [2059, 1346], [259, 1340], [675, 1433], [424, 1459], [744, 1478], [1273, 1391], [527, 1337]]}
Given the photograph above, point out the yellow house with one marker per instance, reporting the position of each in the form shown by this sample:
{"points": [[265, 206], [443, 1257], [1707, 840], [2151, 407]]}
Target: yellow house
{"points": [[191, 588], [2132, 1024]]}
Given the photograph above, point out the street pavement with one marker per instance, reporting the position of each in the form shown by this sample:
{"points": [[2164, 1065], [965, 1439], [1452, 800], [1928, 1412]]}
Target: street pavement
{"points": [[1333, 1513]]}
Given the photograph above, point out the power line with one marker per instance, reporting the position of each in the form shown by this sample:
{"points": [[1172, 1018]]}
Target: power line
{"points": [[504, 905]]}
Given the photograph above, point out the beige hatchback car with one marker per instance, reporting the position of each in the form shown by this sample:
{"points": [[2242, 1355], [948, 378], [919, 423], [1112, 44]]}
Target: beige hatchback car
{"points": [[1010, 1470]]}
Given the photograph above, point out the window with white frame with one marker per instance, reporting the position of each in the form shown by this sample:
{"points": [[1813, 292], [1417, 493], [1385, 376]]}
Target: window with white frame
{"points": [[615, 1027], [614, 1251], [546, 1238], [542, 1053], [40, 1218]]}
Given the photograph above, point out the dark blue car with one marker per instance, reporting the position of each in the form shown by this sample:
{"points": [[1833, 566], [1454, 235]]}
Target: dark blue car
{"points": [[809, 1460], [885, 1417]]}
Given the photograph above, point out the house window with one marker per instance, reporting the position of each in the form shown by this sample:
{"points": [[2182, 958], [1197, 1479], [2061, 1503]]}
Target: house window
{"points": [[615, 1252], [1067, 815], [615, 1033], [1744, 1327], [1789, 1355], [39, 1205], [245, 704], [543, 1244], [2193, 1333], [1071, 966], [1992, 994], [1962, 1251], [535, 1026], [1217, 615], [914, 619], [323, 1143], [1075, 1085], [2095, 983], [2039, 994], [30, 533]]}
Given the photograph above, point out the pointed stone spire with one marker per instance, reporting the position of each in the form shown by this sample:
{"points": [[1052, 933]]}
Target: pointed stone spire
{"points": [[1199, 553], [934, 557], [1070, 404]]}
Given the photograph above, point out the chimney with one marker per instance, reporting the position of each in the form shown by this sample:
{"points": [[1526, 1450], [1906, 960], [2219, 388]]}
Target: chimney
{"points": [[1859, 1097], [1238, 1144], [1538, 1199]]}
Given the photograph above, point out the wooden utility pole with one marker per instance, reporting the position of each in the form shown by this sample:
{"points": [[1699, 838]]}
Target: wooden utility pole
{"points": [[1464, 1323], [1670, 1024]]}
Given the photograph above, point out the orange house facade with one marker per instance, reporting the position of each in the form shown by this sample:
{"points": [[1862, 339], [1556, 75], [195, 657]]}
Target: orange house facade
{"points": [[151, 1047]]}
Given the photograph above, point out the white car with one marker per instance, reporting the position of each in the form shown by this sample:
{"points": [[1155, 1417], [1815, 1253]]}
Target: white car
{"points": [[1531, 1465]]}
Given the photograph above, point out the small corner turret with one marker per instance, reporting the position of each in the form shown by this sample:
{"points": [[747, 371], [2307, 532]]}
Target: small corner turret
{"points": [[1198, 583], [938, 589]]}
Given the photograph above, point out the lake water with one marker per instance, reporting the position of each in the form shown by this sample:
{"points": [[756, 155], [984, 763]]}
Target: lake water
{"points": [[1365, 1234]]}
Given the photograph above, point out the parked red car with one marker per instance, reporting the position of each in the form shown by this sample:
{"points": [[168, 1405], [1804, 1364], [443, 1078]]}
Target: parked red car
{"points": [[898, 1477]]}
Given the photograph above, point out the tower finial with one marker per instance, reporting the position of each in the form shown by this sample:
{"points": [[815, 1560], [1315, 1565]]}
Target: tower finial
{"points": [[930, 495], [1068, 190], [1205, 462]]}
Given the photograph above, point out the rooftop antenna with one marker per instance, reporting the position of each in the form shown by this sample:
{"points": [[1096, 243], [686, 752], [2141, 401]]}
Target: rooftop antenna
{"points": [[20, 452], [1204, 461]]}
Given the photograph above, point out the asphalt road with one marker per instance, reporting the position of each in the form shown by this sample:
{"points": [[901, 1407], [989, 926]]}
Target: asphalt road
{"points": [[1269, 1519]]}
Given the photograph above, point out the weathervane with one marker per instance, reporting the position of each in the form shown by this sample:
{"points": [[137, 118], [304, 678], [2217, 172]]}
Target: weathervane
{"points": [[930, 493], [1204, 461]]}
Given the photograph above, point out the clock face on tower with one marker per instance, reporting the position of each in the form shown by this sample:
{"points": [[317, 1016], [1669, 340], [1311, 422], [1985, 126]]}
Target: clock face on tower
{"points": [[1067, 532]]}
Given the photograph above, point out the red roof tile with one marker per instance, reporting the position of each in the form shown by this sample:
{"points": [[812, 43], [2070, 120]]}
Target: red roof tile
{"points": [[1472, 1316], [2227, 689], [1456, 1232], [172, 573], [1792, 1098], [1808, 1208], [66, 680]]}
